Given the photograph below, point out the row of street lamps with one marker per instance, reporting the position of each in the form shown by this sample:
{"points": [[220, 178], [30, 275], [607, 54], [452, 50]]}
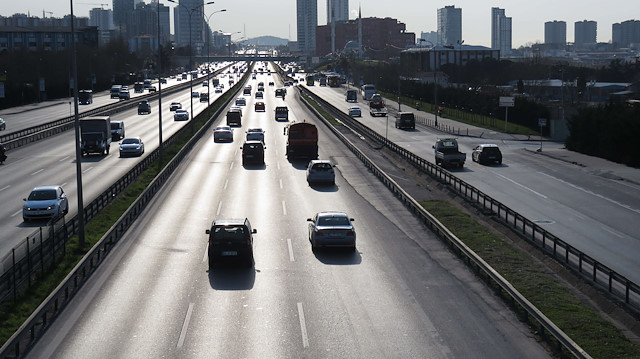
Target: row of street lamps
{"points": [[190, 11]]}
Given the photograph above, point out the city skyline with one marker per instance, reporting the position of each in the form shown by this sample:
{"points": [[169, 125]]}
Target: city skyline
{"points": [[527, 28]]}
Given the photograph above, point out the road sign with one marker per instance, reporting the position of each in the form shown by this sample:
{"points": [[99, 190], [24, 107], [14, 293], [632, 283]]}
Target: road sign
{"points": [[507, 101], [542, 122]]}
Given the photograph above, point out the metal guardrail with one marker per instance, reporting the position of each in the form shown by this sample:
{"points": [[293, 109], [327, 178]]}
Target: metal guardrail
{"points": [[617, 285], [439, 229], [35, 326], [16, 139]]}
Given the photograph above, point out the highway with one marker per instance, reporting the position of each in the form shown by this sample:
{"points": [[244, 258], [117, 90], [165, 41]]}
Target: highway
{"points": [[402, 294], [585, 206], [52, 161]]}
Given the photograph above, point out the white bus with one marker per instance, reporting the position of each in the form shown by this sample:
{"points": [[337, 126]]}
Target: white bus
{"points": [[368, 91]]}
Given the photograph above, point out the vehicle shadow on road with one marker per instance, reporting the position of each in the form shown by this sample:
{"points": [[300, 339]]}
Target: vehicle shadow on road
{"points": [[338, 256], [232, 277], [300, 164], [255, 167], [326, 188]]}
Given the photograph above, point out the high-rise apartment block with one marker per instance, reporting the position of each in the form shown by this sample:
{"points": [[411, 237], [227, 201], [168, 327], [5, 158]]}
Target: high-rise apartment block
{"points": [[122, 10], [626, 33], [500, 31], [585, 32], [555, 32], [307, 20], [189, 15], [337, 11], [449, 25]]}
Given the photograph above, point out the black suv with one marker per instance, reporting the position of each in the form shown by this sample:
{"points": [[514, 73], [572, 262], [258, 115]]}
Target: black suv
{"points": [[253, 152], [230, 240], [144, 107]]}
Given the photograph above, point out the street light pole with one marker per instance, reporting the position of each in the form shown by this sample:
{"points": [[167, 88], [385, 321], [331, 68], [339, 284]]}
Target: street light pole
{"points": [[159, 71], [209, 54], [74, 66], [190, 12]]}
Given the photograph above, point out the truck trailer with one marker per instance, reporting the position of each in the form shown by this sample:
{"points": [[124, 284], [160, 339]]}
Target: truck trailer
{"points": [[95, 135], [302, 140]]}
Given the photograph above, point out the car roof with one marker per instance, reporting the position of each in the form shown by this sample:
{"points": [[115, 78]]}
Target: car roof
{"points": [[229, 221], [332, 214], [44, 188], [488, 145], [320, 161]]}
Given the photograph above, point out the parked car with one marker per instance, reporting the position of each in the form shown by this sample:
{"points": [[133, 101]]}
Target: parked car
{"points": [[255, 134], [45, 202], [487, 153], [331, 229], [321, 171], [181, 115], [259, 106], [223, 133], [241, 101], [175, 106], [253, 152], [144, 107], [131, 146], [355, 111], [230, 240]]}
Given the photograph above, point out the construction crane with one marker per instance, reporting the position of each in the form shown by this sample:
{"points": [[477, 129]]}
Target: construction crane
{"points": [[89, 3], [46, 12]]}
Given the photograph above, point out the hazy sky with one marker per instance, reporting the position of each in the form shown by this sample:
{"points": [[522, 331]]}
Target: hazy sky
{"points": [[278, 17]]}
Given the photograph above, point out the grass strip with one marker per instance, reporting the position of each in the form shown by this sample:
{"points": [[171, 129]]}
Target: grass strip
{"points": [[320, 110], [579, 321], [14, 313]]}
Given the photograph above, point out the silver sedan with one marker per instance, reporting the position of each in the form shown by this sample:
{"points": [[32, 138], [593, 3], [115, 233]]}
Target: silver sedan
{"points": [[131, 146], [332, 229]]}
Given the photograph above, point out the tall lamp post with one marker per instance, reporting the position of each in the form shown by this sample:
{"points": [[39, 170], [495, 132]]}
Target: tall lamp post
{"points": [[190, 12], [435, 79], [209, 54], [159, 70], [74, 66], [460, 42]]}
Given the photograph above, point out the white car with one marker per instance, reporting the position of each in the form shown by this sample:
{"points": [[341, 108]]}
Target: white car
{"points": [[45, 202], [175, 106], [354, 111], [131, 146], [241, 101], [321, 171], [255, 134], [223, 133], [181, 115]]}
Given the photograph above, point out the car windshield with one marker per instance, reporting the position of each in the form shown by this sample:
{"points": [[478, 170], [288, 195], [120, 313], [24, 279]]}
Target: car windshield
{"points": [[115, 125], [42, 195], [129, 141], [230, 233], [491, 150], [322, 166], [333, 221]]}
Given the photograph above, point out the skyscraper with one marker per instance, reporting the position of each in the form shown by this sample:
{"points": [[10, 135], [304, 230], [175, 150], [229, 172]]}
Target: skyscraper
{"points": [[449, 25], [307, 16], [121, 12], [585, 32], [192, 10], [337, 10], [626, 33], [500, 31], [555, 32]]}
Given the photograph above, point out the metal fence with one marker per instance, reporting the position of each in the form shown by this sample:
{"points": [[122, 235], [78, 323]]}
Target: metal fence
{"points": [[35, 326], [544, 325]]}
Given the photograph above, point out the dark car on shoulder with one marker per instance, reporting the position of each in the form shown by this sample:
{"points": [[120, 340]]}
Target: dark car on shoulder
{"points": [[230, 240], [487, 153]]}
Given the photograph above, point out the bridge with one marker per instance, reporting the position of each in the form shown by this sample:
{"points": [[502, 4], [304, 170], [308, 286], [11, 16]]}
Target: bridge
{"points": [[184, 60]]}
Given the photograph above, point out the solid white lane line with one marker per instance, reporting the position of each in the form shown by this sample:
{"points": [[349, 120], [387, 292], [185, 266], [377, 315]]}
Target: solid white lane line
{"points": [[593, 194], [185, 326], [5, 187], [284, 208], [38, 171], [64, 159], [291, 259], [219, 208], [613, 232], [87, 170], [303, 327], [281, 183], [522, 186]]}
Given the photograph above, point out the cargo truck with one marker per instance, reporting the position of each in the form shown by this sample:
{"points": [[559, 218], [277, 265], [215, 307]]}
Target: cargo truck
{"points": [[95, 135], [302, 140]]}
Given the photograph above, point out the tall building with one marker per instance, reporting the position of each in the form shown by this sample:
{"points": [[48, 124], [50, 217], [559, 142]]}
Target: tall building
{"points": [[337, 11], [555, 32], [585, 32], [165, 22], [626, 33], [189, 14], [449, 25], [307, 16], [431, 36], [121, 11], [500, 31], [103, 20]]}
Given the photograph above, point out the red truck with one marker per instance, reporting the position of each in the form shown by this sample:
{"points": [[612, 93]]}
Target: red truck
{"points": [[376, 106], [302, 140]]}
